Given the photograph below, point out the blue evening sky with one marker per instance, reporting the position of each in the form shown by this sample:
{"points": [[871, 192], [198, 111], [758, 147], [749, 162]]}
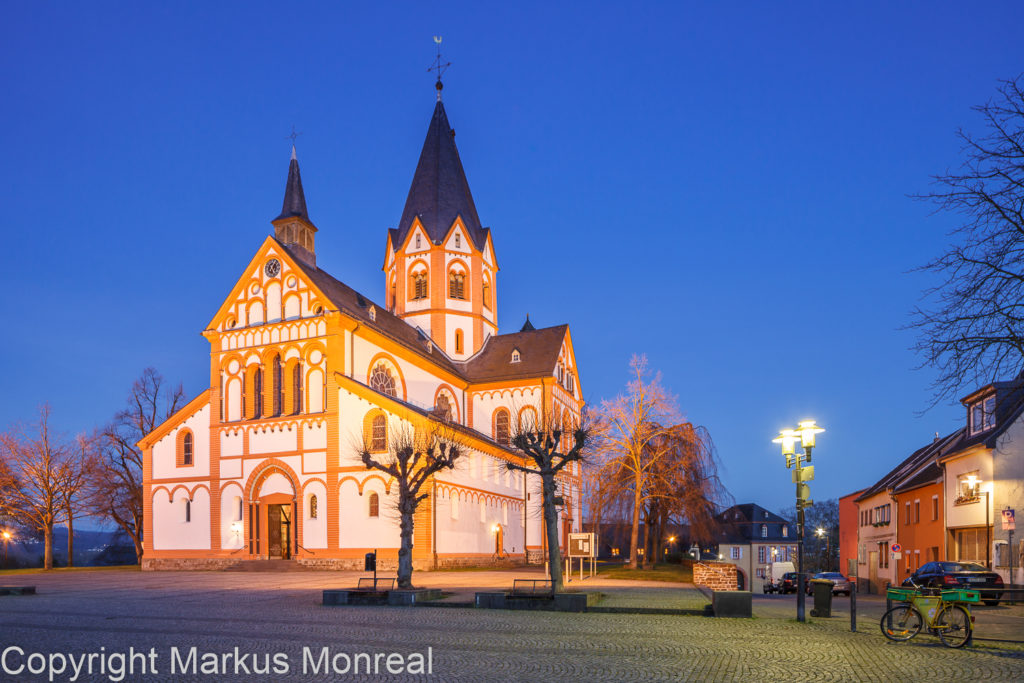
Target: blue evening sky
{"points": [[721, 186]]}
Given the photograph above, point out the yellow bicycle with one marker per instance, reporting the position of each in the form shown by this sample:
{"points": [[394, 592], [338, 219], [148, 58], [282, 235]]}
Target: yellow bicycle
{"points": [[944, 612]]}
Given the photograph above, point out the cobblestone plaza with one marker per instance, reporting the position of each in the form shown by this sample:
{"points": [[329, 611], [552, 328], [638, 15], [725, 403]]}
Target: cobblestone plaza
{"points": [[264, 614]]}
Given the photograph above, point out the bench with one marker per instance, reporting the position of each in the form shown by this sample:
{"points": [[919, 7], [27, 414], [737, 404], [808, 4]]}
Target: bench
{"points": [[531, 588], [375, 585]]}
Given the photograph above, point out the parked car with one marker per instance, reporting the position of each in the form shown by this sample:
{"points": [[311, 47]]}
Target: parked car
{"points": [[959, 575], [789, 582], [840, 584]]}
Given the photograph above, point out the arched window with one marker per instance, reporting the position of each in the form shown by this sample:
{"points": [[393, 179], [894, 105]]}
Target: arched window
{"points": [[486, 294], [501, 426], [456, 285], [458, 341], [188, 510], [418, 285], [297, 389], [238, 508], [312, 507], [394, 296], [374, 505], [528, 419], [443, 407], [186, 449], [382, 381], [254, 392], [379, 434], [278, 386]]}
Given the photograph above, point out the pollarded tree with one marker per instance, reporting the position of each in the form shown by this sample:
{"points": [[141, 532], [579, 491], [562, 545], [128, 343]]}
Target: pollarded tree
{"points": [[413, 457], [548, 448], [971, 325]]}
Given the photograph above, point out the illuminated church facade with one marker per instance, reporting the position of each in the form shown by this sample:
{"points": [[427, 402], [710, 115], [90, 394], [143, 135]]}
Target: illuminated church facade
{"points": [[264, 463]]}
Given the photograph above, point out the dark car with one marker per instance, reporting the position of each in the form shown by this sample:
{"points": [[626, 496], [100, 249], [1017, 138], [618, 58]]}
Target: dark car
{"points": [[959, 575], [789, 582]]}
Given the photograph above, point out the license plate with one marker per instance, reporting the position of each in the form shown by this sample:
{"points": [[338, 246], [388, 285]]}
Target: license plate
{"points": [[976, 580]]}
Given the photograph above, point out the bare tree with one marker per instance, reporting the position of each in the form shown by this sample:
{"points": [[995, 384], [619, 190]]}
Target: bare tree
{"points": [[116, 481], [632, 433], [74, 474], [971, 325], [549, 446], [35, 458], [412, 459]]}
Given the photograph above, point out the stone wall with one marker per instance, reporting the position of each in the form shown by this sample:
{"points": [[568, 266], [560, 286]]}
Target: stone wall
{"points": [[187, 564], [718, 576]]}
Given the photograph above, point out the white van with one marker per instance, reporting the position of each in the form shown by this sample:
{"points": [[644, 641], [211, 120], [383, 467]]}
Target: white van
{"points": [[773, 580]]}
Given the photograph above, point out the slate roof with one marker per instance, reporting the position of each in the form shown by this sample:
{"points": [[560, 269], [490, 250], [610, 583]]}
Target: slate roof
{"points": [[1009, 406], [912, 466], [747, 527], [538, 348], [439, 191], [294, 197]]}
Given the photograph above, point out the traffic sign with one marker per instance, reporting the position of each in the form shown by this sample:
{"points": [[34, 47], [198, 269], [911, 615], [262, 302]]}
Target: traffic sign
{"points": [[896, 547], [1008, 521]]}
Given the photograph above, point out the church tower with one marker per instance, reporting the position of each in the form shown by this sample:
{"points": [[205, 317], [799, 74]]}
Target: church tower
{"points": [[440, 265], [293, 227]]}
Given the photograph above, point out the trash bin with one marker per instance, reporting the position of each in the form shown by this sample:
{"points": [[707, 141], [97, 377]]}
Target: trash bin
{"points": [[822, 590]]}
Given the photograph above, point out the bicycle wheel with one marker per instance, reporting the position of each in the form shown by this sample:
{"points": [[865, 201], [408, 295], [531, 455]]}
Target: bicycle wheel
{"points": [[953, 625], [901, 623]]}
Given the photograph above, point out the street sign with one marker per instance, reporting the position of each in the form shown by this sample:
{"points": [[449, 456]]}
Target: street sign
{"points": [[1008, 522], [896, 547], [897, 556]]}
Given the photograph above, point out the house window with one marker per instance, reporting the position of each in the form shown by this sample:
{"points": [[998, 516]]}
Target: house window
{"points": [[968, 487], [759, 573], [762, 552], [382, 381], [764, 531], [456, 285], [313, 507], [379, 434], [906, 509], [785, 531], [735, 553], [515, 356], [501, 426], [374, 505], [917, 512], [935, 508], [983, 414]]}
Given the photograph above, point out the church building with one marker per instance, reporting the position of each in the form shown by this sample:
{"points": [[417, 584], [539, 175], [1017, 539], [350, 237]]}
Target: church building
{"points": [[264, 464]]}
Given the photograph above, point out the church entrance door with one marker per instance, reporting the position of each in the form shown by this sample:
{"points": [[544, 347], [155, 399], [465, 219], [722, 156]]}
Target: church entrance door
{"points": [[279, 522]]}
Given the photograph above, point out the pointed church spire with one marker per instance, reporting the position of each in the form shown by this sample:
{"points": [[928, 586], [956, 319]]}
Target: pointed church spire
{"points": [[528, 326], [293, 227], [440, 192], [294, 197]]}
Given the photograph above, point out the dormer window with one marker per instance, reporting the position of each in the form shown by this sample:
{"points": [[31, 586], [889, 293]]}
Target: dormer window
{"points": [[373, 312], [982, 414], [515, 356], [764, 531], [785, 531]]}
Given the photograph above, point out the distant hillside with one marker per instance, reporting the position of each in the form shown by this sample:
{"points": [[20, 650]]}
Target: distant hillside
{"points": [[92, 549]]}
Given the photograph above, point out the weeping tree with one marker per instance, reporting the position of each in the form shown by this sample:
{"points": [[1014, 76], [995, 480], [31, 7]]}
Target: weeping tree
{"points": [[548, 447], [412, 457]]}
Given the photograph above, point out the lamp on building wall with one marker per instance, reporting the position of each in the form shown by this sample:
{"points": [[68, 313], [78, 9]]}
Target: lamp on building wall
{"points": [[806, 433], [975, 484]]}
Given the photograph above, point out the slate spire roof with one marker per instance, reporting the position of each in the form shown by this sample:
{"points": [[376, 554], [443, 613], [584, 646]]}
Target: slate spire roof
{"points": [[294, 197], [439, 191]]}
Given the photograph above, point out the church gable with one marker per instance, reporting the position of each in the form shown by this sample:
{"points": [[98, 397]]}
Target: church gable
{"points": [[271, 289], [456, 239]]}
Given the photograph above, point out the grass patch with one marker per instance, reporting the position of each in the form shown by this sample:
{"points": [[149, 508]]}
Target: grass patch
{"points": [[660, 572], [64, 570]]}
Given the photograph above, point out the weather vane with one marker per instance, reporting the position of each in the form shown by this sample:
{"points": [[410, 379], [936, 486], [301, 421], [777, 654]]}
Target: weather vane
{"points": [[439, 67], [292, 138]]}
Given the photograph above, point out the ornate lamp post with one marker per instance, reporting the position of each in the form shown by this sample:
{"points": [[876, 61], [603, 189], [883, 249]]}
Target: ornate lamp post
{"points": [[822, 532], [805, 433]]}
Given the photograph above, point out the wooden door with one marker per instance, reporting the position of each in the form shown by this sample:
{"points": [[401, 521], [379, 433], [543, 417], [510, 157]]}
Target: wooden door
{"points": [[873, 571], [275, 547]]}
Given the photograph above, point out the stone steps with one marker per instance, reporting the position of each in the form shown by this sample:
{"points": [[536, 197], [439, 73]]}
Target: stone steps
{"points": [[267, 566]]}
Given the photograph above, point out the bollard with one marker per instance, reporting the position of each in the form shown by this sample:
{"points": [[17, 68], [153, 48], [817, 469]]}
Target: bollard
{"points": [[853, 610]]}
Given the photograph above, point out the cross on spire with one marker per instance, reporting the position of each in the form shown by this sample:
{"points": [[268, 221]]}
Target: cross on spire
{"points": [[439, 67], [292, 138]]}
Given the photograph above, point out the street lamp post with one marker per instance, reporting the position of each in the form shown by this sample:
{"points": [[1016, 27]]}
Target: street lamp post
{"points": [[7, 539], [805, 433], [823, 533]]}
